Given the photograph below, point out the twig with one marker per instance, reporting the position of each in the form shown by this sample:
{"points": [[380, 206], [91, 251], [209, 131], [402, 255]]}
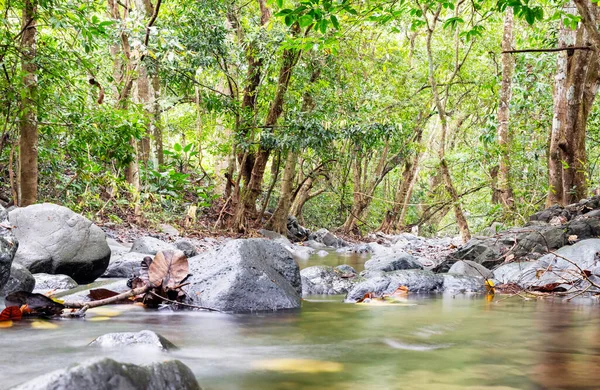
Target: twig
{"points": [[184, 304], [548, 50], [109, 300]]}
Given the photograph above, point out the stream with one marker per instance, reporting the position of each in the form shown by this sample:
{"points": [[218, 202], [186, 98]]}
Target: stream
{"points": [[426, 342]]}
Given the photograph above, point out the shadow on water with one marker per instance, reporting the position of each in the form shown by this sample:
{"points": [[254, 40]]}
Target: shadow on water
{"points": [[440, 342]]}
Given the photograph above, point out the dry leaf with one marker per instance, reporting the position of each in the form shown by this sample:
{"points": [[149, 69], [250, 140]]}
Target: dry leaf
{"points": [[168, 269], [572, 239], [101, 293], [11, 313]]}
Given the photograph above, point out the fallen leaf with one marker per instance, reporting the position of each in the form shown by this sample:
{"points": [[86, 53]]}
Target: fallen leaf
{"points": [[43, 325], [99, 318], [104, 312], [38, 304], [168, 269], [489, 287], [6, 324], [304, 366], [11, 313], [101, 293]]}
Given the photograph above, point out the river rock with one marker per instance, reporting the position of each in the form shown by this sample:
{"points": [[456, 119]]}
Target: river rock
{"points": [[81, 293], [187, 247], [555, 270], [8, 247], [151, 246], [56, 240], [327, 238], [345, 269], [300, 251], [511, 272], [108, 374], [322, 279], [456, 283], [392, 262], [470, 268], [274, 236], [388, 282], [144, 337], [322, 253], [168, 229], [20, 280], [48, 282], [295, 231], [125, 265], [245, 275]]}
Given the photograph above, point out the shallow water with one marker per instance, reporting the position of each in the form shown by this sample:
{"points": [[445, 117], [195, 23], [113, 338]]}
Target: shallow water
{"points": [[427, 342], [333, 259]]}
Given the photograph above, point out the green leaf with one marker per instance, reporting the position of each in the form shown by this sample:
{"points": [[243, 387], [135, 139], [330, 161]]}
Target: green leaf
{"points": [[334, 21], [177, 147], [305, 20]]}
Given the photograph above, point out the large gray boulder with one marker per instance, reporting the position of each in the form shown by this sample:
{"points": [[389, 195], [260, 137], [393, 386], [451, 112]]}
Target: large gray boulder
{"points": [[322, 279], [510, 272], [56, 240], [151, 246], [388, 282], [107, 374], [392, 262], [20, 280], [8, 247], [127, 339], [124, 265], [564, 267], [245, 275], [470, 268]]}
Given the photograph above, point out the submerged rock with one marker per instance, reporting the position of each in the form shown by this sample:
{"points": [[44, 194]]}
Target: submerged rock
{"points": [[392, 262], [56, 240], [20, 280], [122, 339], [322, 279], [151, 245], [8, 247], [245, 275], [47, 282], [107, 374]]}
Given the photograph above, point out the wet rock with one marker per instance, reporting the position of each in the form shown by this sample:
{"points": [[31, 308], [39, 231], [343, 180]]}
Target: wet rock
{"points": [[187, 247], [322, 279], [455, 283], [300, 251], [20, 280], [8, 247], [125, 265], [327, 238], [392, 262], [245, 275], [296, 232], [345, 269], [322, 253], [80, 293], [48, 282], [56, 240], [151, 245], [107, 374], [551, 269], [388, 282], [511, 272], [123, 339], [315, 245], [470, 268]]}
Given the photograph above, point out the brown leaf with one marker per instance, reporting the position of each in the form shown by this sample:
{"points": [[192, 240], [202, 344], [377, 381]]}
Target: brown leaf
{"points": [[168, 269], [38, 304], [401, 291], [101, 293], [11, 313]]}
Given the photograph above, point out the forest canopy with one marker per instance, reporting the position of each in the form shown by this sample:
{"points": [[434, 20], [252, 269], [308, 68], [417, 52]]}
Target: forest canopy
{"points": [[438, 115]]}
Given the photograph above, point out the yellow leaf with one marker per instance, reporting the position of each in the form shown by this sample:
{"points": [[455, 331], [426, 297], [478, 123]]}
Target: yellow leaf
{"points": [[305, 366], [489, 286], [103, 311], [6, 324], [99, 318], [43, 325]]}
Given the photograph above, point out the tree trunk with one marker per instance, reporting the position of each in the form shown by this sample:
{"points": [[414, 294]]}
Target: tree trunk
{"points": [[504, 184], [157, 130], [278, 221], [28, 141]]}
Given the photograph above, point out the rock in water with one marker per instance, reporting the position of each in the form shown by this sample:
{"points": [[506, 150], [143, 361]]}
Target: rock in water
{"points": [[107, 374], [325, 237], [322, 279], [56, 240], [8, 247], [20, 280], [244, 276], [151, 245], [144, 337], [393, 262], [470, 268], [47, 282]]}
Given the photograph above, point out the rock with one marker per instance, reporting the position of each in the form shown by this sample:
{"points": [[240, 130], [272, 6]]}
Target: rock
{"points": [[125, 265], [315, 245], [278, 238], [324, 236], [392, 262], [551, 269], [454, 283], [245, 275], [107, 374], [300, 252], [56, 240], [151, 245], [345, 269], [144, 337], [47, 282], [8, 247], [470, 268], [187, 247], [296, 232], [510, 273], [322, 279], [20, 280], [478, 250], [322, 253], [493, 229], [80, 293], [388, 282], [168, 229]]}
